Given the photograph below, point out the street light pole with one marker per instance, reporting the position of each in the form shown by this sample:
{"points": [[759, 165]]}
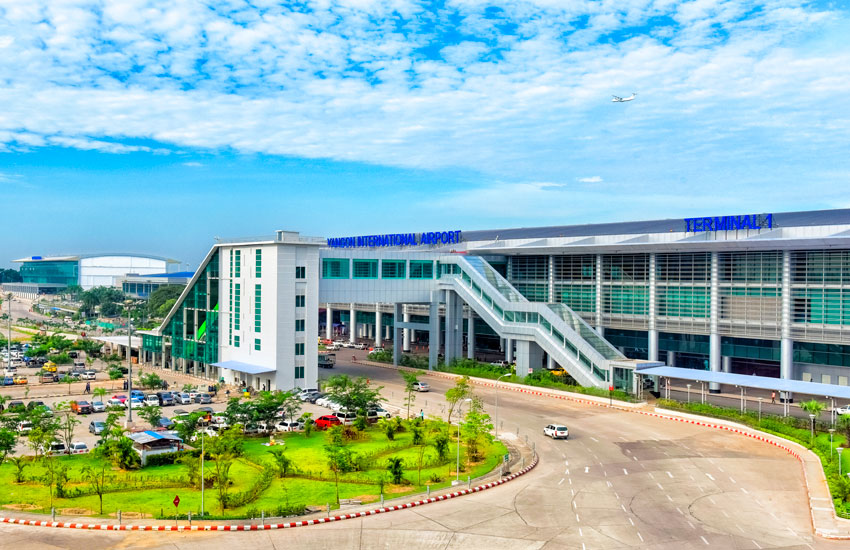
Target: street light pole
{"points": [[838, 450], [127, 304], [689, 393], [760, 399], [9, 341], [497, 402], [813, 428], [831, 431], [203, 482]]}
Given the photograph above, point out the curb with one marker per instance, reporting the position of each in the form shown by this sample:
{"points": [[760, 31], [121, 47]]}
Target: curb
{"points": [[748, 432], [271, 526]]}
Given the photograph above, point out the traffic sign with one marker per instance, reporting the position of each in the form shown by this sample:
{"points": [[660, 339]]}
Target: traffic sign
{"points": [[176, 500], [506, 458]]}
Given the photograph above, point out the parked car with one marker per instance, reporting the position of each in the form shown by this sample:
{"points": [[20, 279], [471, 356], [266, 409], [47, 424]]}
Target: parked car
{"points": [[205, 410], [333, 347], [304, 394], [50, 366], [326, 421], [8, 380], [166, 399], [96, 427], [134, 403], [289, 426], [421, 386], [165, 423], [182, 398], [33, 404], [16, 406], [73, 354], [89, 375], [98, 406], [842, 410], [81, 407], [322, 400], [203, 398], [78, 447], [20, 380], [378, 412], [346, 418], [556, 431], [117, 400], [151, 399], [314, 397], [137, 394], [10, 371], [55, 448], [359, 345], [25, 426]]}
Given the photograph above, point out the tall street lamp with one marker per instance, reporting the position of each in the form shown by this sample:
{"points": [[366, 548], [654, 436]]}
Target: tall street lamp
{"points": [[457, 467], [813, 428], [9, 341], [497, 402], [831, 431], [838, 450], [689, 393], [129, 304]]}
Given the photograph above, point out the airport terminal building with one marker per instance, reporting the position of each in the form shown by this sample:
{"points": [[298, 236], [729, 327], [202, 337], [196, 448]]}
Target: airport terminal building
{"points": [[764, 294]]}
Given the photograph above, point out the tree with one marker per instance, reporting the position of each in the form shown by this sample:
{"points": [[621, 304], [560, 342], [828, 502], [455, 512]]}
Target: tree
{"points": [[115, 373], [223, 450], [150, 380], [440, 442], [8, 440], [395, 466], [120, 453], [282, 463], [476, 429], [457, 393], [151, 414], [68, 380], [110, 309], [99, 393], [19, 462], [161, 296], [188, 425], [10, 276], [422, 445], [843, 423], [353, 395], [55, 476], [339, 461], [97, 476], [307, 419], [66, 421], [388, 427], [814, 407], [410, 378], [291, 405], [193, 466]]}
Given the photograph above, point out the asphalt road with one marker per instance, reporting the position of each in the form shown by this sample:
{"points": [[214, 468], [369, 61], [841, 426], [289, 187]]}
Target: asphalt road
{"points": [[622, 480]]}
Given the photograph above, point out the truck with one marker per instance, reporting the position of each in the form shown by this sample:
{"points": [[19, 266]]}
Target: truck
{"points": [[327, 360]]}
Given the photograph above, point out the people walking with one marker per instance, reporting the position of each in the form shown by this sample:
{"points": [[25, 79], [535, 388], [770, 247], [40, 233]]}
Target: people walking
{"points": [[773, 397], [88, 387]]}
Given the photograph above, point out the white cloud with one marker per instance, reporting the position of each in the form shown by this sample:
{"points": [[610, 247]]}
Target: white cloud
{"points": [[525, 94], [591, 179]]}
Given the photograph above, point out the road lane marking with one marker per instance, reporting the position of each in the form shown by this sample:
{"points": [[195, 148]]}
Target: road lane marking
{"points": [[711, 477], [609, 484], [680, 510], [721, 469], [651, 476], [562, 480], [626, 472], [593, 438], [732, 479], [670, 499], [757, 545], [580, 533], [567, 471], [616, 495], [624, 508], [577, 519], [586, 469], [669, 474], [634, 457], [724, 513], [630, 521], [711, 500], [570, 480], [703, 539], [745, 491], [659, 486], [691, 524]]}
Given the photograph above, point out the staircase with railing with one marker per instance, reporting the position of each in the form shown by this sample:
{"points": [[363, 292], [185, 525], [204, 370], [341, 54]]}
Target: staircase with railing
{"points": [[557, 329]]}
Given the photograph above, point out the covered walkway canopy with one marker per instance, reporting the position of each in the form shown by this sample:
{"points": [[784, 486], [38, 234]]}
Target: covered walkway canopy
{"points": [[750, 381], [246, 368]]}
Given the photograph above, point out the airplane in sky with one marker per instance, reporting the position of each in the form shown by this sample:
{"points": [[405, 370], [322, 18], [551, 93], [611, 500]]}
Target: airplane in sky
{"points": [[618, 99]]}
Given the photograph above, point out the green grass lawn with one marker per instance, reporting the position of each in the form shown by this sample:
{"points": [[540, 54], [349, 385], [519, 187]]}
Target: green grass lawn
{"points": [[151, 490]]}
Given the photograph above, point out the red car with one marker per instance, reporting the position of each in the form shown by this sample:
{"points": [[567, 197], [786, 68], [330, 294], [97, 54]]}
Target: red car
{"points": [[326, 421], [120, 398]]}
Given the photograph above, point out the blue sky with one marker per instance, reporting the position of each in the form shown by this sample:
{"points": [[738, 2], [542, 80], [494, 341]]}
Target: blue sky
{"points": [[153, 126]]}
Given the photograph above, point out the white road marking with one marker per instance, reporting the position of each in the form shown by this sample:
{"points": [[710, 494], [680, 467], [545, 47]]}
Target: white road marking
{"points": [[669, 475], [573, 504], [567, 471], [616, 495], [792, 531], [757, 544], [692, 478], [609, 484], [640, 537], [634, 457], [732, 479], [586, 469], [570, 480], [630, 521], [624, 509], [703, 539], [659, 486], [711, 500], [582, 547], [580, 533], [562, 480], [577, 520], [680, 510], [593, 438], [745, 491], [719, 468], [711, 477], [741, 529], [724, 513], [651, 476], [670, 499], [573, 492], [628, 451], [692, 525], [566, 463], [605, 473], [563, 455], [626, 472]]}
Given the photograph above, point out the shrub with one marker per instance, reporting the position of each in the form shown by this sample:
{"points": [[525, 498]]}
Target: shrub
{"points": [[170, 458]]}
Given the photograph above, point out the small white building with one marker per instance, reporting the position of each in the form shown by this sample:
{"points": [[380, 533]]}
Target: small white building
{"points": [[154, 443]]}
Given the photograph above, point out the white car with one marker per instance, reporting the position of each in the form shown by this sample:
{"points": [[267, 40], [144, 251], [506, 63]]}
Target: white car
{"points": [[304, 394], [421, 386], [842, 410], [152, 399], [359, 345], [347, 418], [134, 403], [98, 406], [183, 398], [323, 401], [89, 375], [378, 412], [78, 447], [289, 426], [334, 406], [556, 431]]}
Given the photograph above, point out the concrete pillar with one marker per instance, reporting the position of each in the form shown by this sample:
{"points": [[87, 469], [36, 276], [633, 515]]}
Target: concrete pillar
{"points": [[434, 330], [550, 363], [329, 320], [352, 325], [378, 333], [714, 337], [653, 332], [451, 323], [598, 322], [529, 357], [470, 336], [509, 350], [407, 331], [671, 358], [786, 345], [457, 326], [397, 312], [726, 364], [388, 332]]}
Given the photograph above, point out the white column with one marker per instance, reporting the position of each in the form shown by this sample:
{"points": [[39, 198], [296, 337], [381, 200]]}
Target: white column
{"points": [[470, 336], [726, 363], [786, 345], [551, 298], [509, 350], [406, 332], [599, 293], [397, 308], [671, 358], [352, 325], [434, 330], [387, 331], [529, 356], [550, 363], [451, 333], [653, 331], [714, 337], [378, 333], [329, 321]]}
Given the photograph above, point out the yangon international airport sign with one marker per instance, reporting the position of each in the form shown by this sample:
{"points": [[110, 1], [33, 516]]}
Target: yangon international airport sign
{"points": [[729, 223], [397, 239]]}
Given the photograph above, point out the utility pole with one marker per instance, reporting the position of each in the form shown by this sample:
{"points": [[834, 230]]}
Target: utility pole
{"points": [[9, 341], [128, 304], [203, 482]]}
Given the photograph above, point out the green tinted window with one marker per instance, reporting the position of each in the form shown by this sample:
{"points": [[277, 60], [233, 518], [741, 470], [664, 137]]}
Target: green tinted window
{"points": [[365, 269], [335, 268], [421, 269], [393, 269]]}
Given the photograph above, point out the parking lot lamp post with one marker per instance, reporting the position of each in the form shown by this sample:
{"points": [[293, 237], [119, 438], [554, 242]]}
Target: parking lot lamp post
{"points": [[813, 428], [128, 304], [760, 400], [203, 482], [689, 393], [9, 341], [831, 431], [497, 402], [838, 450], [459, 417]]}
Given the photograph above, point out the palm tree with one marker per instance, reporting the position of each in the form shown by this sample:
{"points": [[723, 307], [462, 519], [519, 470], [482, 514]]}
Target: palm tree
{"points": [[99, 393], [814, 408]]}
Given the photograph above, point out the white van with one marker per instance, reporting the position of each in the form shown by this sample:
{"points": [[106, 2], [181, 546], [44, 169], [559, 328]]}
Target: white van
{"points": [[347, 418]]}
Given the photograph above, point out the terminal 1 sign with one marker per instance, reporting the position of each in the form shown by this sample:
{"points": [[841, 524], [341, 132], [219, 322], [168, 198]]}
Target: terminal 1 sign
{"points": [[729, 223], [397, 239]]}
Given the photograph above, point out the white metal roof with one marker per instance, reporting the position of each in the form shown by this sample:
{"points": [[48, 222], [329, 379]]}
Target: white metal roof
{"points": [[247, 368]]}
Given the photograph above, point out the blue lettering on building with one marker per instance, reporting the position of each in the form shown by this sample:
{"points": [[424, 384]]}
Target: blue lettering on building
{"points": [[729, 223], [397, 239]]}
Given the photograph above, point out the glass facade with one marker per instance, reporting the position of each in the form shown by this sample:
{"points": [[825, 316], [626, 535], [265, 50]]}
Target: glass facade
{"points": [[51, 272], [193, 329], [335, 268], [420, 269], [365, 269], [393, 269]]}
